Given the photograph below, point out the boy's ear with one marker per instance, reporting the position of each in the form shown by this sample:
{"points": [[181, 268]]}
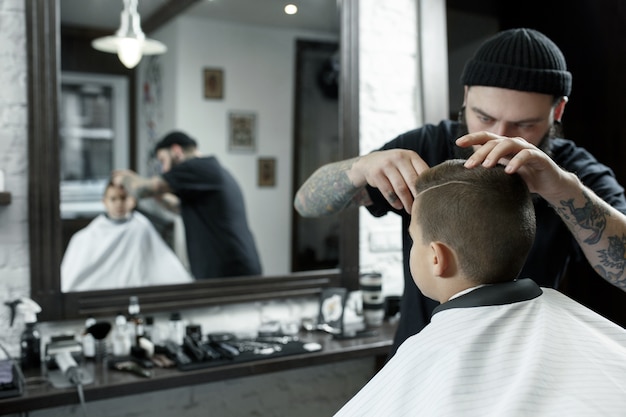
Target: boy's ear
{"points": [[444, 264]]}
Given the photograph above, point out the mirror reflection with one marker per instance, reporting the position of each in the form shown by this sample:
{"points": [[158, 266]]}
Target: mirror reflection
{"points": [[209, 199], [105, 254], [274, 73]]}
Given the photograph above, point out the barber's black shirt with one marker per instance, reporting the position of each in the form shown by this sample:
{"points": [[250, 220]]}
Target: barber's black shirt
{"points": [[219, 241]]}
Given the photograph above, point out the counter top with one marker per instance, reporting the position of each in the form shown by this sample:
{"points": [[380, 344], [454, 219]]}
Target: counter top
{"points": [[39, 394]]}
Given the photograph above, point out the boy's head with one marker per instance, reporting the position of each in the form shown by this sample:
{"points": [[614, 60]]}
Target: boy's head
{"points": [[117, 203], [474, 224]]}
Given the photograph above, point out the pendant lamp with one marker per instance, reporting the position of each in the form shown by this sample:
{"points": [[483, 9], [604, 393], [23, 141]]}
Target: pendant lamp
{"points": [[129, 42]]}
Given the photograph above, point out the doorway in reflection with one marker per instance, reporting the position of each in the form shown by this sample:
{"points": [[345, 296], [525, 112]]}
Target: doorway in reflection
{"points": [[316, 137]]}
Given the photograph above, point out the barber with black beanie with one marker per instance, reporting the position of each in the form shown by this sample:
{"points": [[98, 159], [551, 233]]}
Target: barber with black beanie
{"points": [[516, 88]]}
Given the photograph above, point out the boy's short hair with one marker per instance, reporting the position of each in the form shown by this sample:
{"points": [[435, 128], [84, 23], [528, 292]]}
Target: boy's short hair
{"points": [[176, 138], [484, 214], [111, 184]]}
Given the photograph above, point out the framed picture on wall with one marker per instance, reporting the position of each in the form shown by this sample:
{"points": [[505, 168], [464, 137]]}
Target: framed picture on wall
{"points": [[213, 83], [242, 131], [267, 172]]}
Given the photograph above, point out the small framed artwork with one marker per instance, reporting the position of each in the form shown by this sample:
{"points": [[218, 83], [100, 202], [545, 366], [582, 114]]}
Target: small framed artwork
{"points": [[213, 83], [242, 131], [267, 172]]}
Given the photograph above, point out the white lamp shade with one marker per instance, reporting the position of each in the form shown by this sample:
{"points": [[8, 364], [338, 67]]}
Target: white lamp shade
{"points": [[129, 50], [129, 42]]}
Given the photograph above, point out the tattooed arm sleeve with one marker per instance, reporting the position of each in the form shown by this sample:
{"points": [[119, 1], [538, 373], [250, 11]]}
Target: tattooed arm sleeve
{"points": [[600, 230], [329, 190]]}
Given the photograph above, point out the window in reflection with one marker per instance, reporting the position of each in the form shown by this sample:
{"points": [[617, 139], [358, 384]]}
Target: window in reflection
{"points": [[93, 126]]}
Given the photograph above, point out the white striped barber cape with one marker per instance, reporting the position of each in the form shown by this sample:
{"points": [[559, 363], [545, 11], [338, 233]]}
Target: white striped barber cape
{"points": [[107, 254], [543, 356]]}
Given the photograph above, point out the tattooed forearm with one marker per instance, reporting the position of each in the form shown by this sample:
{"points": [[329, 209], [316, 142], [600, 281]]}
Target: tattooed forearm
{"points": [[590, 217], [600, 231], [138, 187], [612, 261], [144, 190], [328, 191], [169, 201]]}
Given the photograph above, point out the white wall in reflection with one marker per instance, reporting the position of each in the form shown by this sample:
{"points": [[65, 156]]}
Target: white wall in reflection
{"points": [[258, 68]]}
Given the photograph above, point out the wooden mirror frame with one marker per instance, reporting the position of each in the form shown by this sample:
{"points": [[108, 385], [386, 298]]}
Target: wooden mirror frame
{"points": [[42, 26]]}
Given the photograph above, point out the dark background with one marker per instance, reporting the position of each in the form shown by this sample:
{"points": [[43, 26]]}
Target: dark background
{"points": [[592, 36]]}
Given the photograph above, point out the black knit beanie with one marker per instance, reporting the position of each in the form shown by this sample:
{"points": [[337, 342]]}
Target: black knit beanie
{"points": [[175, 138], [519, 59]]}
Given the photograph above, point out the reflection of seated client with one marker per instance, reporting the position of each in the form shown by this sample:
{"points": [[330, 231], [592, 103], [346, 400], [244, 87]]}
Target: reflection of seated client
{"points": [[219, 241], [119, 249], [495, 345]]}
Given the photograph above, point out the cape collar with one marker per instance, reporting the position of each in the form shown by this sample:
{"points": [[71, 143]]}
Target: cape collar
{"points": [[496, 294]]}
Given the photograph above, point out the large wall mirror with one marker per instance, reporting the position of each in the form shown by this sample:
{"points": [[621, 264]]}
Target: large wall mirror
{"points": [[45, 226]]}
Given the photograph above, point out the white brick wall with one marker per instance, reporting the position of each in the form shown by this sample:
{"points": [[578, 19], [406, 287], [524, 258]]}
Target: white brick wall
{"points": [[14, 267], [391, 77], [388, 82]]}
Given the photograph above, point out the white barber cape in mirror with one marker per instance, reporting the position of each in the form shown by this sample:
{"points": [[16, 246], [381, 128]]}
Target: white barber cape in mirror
{"points": [[107, 254]]}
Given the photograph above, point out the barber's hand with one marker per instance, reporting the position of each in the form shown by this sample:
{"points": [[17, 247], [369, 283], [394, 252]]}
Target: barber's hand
{"points": [[124, 178], [119, 174], [393, 172], [169, 201], [541, 174]]}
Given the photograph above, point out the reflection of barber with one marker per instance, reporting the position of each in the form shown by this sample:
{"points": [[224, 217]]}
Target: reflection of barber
{"points": [[219, 241]]}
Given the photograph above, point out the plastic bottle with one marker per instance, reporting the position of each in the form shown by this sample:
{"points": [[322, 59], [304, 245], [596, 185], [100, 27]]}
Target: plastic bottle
{"points": [[140, 331], [157, 333], [121, 338], [177, 329], [149, 328], [134, 318], [30, 339], [133, 307], [88, 341]]}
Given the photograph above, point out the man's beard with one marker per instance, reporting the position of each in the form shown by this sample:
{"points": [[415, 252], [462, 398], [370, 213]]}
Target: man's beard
{"points": [[464, 153], [175, 159]]}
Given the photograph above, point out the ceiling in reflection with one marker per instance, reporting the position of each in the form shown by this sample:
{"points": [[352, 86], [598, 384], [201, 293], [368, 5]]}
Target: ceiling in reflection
{"points": [[319, 15]]}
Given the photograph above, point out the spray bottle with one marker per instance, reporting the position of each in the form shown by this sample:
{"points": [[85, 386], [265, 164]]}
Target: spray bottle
{"points": [[30, 340]]}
